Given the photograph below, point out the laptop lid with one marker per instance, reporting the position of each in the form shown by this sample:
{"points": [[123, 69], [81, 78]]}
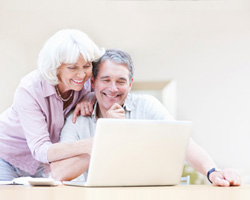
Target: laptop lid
{"points": [[138, 152]]}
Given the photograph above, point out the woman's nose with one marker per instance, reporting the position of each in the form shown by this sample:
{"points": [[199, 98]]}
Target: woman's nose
{"points": [[81, 74]]}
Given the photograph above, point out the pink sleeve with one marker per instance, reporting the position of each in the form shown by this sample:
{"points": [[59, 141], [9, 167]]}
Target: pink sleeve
{"points": [[34, 124]]}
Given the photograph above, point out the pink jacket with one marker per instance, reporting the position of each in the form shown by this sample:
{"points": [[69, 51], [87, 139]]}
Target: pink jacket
{"points": [[33, 122]]}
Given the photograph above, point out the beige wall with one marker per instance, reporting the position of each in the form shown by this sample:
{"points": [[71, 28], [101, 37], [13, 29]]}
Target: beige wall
{"points": [[203, 45]]}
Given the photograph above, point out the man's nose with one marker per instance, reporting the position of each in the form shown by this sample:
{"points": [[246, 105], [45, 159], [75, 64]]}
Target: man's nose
{"points": [[113, 87]]}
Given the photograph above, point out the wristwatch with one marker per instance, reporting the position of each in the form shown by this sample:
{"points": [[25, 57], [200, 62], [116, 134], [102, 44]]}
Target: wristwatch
{"points": [[211, 171]]}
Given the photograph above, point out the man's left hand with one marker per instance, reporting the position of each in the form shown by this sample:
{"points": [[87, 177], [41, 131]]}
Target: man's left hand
{"points": [[225, 178]]}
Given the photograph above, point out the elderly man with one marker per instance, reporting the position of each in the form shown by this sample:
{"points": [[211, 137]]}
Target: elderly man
{"points": [[112, 81]]}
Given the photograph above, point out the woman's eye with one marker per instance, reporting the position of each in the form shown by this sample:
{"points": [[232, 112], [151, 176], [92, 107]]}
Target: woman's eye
{"points": [[71, 67], [86, 66]]}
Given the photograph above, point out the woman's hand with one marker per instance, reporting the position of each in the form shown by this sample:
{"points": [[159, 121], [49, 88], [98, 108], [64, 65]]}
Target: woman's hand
{"points": [[85, 106]]}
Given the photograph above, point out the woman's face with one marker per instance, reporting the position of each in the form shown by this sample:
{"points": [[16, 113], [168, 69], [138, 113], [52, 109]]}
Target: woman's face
{"points": [[72, 76]]}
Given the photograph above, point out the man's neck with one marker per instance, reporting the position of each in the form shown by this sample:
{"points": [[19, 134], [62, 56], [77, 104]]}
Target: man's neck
{"points": [[99, 112]]}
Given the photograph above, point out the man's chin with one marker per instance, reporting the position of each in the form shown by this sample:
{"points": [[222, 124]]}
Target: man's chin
{"points": [[110, 104]]}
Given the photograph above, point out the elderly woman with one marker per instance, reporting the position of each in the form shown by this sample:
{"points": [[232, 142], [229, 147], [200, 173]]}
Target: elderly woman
{"points": [[30, 128]]}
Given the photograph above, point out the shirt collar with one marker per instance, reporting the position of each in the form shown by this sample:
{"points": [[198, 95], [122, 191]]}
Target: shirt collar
{"points": [[94, 114], [48, 89], [128, 104]]}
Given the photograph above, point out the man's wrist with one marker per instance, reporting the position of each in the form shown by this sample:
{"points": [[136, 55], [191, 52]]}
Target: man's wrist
{"points": [[211, 171]]}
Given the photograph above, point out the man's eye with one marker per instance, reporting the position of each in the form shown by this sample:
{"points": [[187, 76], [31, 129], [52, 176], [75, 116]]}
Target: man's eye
{"points": [[71, 67], [121, 82]]}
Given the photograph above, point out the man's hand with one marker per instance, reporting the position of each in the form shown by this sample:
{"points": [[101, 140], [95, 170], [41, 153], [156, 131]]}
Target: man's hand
{"points": [[225, 178], [85, 106], [116, 111]]}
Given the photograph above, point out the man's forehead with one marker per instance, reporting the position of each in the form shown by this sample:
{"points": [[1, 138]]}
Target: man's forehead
{"points": [[119, 77], [108, 63], [109, 69]]}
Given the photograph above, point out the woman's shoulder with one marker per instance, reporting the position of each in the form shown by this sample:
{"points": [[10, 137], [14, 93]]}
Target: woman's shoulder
{"points": [[34, 85], [31, 79]]}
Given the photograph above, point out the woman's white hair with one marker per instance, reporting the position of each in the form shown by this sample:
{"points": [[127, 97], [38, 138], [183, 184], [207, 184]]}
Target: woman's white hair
{"points": [[65, 46]]}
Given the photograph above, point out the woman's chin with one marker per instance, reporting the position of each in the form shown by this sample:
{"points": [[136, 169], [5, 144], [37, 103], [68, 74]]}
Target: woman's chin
{"points": [[77, 88]]}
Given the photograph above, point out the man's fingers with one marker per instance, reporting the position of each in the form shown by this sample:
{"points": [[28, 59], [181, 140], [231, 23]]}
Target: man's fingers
{"points": [[115, 111], [120, 110], [115, 106], [232, 177], [220, 182], [225, 178]]}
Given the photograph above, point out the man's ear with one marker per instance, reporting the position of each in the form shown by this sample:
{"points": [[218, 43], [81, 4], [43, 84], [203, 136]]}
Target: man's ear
{"points": [[92, 83], [131, 82]]}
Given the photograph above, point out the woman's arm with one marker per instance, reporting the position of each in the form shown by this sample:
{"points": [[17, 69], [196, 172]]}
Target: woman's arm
{"points": [[60, 151], [36, 121], [71, 168]]}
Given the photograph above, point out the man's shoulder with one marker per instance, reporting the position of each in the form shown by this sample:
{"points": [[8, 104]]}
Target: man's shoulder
{"points": [[81, 121], [136, 101], [134, 97], [148, 107]]}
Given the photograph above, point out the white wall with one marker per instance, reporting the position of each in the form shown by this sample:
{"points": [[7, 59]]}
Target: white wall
{"points": [[203, 45]]}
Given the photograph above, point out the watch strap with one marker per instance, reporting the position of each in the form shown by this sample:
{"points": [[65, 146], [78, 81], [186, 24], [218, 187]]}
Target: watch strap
{"points": [[211, 171]]}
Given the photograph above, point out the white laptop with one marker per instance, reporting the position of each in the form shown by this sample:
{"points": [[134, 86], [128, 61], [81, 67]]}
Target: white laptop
{"points": [[137, 153]]}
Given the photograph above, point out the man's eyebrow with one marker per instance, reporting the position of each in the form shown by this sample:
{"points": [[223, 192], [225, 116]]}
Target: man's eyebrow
{"points": [[122, 78], [103, 77]]}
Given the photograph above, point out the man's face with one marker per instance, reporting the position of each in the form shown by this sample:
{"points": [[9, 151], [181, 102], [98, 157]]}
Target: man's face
{"points": [[112, 84]]}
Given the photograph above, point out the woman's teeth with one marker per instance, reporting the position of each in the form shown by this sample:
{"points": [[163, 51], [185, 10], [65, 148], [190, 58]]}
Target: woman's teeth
{"points": [[78, 81]]}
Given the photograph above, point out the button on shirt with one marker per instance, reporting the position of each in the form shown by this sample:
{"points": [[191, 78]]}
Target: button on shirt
{"points": [[136, 107], [33, 122]]}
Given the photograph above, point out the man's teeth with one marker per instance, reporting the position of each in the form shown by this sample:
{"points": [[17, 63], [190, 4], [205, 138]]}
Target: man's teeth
{"points": [[111, 96]]}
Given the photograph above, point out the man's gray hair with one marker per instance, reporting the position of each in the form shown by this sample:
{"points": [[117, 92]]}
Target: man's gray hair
{"points": [[115, 56], [65, 46]]}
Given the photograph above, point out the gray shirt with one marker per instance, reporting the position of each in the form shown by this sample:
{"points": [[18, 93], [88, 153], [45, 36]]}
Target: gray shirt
{"points": [[136, 107]]}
